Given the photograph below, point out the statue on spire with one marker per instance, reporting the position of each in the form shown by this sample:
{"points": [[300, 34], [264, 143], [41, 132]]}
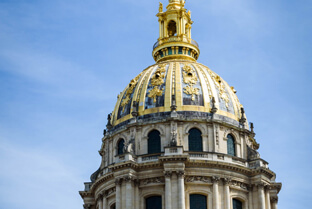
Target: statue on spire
{"points": [[160, 7]]}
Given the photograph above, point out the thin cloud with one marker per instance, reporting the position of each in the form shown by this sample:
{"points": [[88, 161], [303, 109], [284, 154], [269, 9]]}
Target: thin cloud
{"points": [[42, 179]]}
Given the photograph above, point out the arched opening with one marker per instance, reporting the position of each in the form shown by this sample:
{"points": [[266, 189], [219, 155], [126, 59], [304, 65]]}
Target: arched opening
{"points": [[230, 145], [113, 206], [237, 204], [198, 201], [120, 146], [195, 140], [153, 143], [153, 202], [172, 28]]}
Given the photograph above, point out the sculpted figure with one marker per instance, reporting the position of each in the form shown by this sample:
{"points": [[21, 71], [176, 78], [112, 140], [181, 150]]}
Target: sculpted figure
{"points": [[160, 7]]}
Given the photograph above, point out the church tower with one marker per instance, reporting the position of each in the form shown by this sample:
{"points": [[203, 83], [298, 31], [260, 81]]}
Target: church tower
{"points": [[178, 137]]}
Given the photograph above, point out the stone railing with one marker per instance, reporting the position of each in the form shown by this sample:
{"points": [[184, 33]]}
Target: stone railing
{"points": [[148, 158], [218, 157]]}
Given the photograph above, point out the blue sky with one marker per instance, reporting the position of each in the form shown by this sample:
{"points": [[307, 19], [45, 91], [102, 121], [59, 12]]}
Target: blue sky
{"points": [[63, 62]]}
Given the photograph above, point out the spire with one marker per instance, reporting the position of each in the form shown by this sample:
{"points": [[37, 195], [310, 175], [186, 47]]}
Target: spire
{"points": [[175, 41]]}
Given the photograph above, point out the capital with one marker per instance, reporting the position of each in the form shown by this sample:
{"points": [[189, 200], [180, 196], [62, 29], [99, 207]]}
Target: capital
{"points": [[180, 173], [167, 174], [118, 181], [128, 178], [227, 180], [215, 179], [274, 199]]}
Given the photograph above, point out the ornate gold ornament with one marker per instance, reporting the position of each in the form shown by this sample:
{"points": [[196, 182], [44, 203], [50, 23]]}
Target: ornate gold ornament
{"points": [[221, 87], [190, 78], [192, 91], [156, 81], [129, 91], [160, 7], [155, 92], [124, 102]]}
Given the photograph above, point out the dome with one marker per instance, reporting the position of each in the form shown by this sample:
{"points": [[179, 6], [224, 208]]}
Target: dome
{"points": [[179, 85]]}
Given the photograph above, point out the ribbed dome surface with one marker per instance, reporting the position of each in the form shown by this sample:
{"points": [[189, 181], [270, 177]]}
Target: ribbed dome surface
{"points": [[189, 86]]}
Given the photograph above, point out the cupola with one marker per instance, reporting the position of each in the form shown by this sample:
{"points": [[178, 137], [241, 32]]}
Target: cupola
{"points": [[175, 41]]}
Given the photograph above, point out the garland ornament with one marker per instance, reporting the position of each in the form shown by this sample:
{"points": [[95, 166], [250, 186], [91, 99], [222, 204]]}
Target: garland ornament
{"points": [[129, 91], [156, 81], [190, 78]]}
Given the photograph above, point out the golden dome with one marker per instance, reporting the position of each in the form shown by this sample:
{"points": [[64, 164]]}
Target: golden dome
{"points": [[176, 85]]}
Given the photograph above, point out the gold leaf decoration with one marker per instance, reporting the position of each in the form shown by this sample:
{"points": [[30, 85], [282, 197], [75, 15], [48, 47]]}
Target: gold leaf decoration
{"points": [[221, 87], [129, 91], [192, 91], [155, 92], [189, 76], [124, 102], [156, 81]]}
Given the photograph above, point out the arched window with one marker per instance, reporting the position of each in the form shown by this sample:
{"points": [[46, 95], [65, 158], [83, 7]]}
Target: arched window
{"points": [[153, 142], [172, 28], [113, 206], [120, 146], [230, 145], [198, 201], [195, 140], [237, 204], [153, 202]]}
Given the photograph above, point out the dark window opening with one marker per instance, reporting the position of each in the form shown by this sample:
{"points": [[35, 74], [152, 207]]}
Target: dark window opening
{"points": [[198, 201], [153, 142], [120, 147], [195, 140], [237, 204], [153, 202], [172, 28], [230, 145]]}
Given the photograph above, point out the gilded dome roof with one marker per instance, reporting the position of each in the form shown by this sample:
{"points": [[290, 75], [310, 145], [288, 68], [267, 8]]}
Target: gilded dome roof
{"points": [[176, 85]]}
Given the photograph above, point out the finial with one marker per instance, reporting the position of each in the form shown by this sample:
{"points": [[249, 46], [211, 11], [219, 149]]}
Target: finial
{"points": [[109, 125], [243, 119], [213, 109], [160, 7], [252, 130]]}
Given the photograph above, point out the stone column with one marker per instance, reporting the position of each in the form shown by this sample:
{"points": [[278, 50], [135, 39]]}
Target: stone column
{"points": [[104, 201], [274, 201], [100, 201], [250, 197], [167, 189], [227, 198], [136, 193], [129, 192], [261, 199], [118, 193], [181, 189], [215, 181], [267, 198]]}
